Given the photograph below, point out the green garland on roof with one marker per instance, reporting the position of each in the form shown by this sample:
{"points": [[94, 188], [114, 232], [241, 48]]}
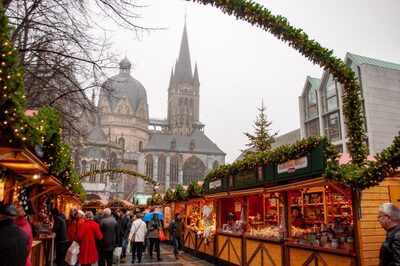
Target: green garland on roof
{"points": [[195, 190], [279, 26], [155, 200], [279, 155], [180, 193], [169, 196], [371, 173], [120, 171]]}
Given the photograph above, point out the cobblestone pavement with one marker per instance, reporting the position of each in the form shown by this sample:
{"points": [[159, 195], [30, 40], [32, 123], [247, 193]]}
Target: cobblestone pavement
{"points": [[168, 258]]}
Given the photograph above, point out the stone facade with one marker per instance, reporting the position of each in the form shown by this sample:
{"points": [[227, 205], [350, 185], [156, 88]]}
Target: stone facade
{"points": [[172, 151]]}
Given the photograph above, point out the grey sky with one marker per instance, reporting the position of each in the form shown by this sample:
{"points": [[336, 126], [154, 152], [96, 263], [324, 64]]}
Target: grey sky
{"points": [[240, 64]]}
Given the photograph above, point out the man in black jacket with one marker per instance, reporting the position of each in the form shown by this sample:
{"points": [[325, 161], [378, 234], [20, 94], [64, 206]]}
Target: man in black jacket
{"points": [[109, 229], [60, 229], [389, 219], [123, 229], [13, 241]]}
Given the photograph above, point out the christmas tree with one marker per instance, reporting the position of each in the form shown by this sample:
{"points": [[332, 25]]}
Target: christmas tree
{"points": [[13, 121], [262, 140]]}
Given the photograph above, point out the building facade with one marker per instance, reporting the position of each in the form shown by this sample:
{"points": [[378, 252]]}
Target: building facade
{"points": [[321, 106], [172, 151]]}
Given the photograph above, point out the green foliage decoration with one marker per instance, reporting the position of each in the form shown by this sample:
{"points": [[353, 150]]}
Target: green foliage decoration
{"points": [[277, 25], [94, 204], [371, 173], [155, 200], [147, 179], [279, 155], [180, 193], [169, 196], [195, 190]]}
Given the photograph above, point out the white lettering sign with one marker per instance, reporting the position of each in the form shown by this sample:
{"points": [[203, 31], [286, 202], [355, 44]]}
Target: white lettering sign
{"points": [[292, 166], [215, 184]]}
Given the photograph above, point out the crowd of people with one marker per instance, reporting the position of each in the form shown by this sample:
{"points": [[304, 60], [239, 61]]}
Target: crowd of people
{"points": [[98, 235]]}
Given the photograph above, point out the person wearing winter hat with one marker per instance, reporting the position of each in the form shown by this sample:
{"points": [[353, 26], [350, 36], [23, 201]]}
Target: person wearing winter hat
{"points": [[13, 241]]}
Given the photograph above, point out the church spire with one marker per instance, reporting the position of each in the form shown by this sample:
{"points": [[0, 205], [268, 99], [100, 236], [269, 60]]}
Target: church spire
{"points": [[196, 81], [183, 68], [171, 80]]}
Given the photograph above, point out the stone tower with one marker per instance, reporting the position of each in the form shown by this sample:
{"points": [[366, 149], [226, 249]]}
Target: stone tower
{"points": [[183, 94]]}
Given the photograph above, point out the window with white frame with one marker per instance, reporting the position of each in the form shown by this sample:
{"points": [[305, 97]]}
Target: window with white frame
{"points": [[311, 102], [330, 96], [332, 126], [312, 128]]}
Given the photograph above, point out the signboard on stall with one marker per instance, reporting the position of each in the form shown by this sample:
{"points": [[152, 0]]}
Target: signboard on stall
{"points": [[216, 185], [292, 165], [312, 164]]}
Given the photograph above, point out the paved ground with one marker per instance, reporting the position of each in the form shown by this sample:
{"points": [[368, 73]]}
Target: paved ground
{"points": [[168, 259]]}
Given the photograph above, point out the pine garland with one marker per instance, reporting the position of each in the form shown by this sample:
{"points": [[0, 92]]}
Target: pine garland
{"points": [[180, 193], [169, 196], [195, 190], [120, 171]]}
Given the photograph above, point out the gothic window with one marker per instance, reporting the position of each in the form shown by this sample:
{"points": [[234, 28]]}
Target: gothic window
{"points": [[181, 121], [161, 169], [193, 169], [113, 165], [120, 109], [149, 165], [121, 142], [127, 109], [103, 166], [174, 170], [84, 167], [140, 146], [215, 164], [93, 166]]}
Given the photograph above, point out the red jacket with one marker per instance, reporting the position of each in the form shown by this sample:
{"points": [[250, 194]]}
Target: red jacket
{"points": [[88, 233], [26, 227]]}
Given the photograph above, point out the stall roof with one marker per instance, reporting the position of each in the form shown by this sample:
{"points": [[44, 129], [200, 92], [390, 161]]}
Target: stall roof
{"points": [[21, 161]]}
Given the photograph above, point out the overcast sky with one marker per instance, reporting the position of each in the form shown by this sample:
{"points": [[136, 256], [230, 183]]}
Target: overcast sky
{"points": [[239, 65]]}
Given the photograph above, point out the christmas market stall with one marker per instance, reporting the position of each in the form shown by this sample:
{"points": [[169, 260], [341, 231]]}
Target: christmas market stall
{"points": [[199, 222], [283, 212]]}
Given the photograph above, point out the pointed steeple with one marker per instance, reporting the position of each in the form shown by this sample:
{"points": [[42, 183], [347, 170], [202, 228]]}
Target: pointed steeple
{"points": [[196, 81], [171, 80], [183, 67]]}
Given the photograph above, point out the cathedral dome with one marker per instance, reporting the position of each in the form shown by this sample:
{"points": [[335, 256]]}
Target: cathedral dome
{"points": [[124, 85], [125, 63]]}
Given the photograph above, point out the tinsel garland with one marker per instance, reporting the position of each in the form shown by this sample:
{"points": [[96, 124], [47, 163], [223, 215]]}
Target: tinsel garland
{"points": [[120, 171]]}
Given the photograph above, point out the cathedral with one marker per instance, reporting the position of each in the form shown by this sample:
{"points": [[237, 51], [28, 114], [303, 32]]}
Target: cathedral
{"points": [[172, 151]]}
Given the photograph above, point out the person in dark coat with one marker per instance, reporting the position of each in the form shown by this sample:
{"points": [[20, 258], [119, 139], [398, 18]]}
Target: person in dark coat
{"points": [[153, 227], [176, 229], [389, 219], [109, 229], [123, 222], [13, 241], [61, 240]]}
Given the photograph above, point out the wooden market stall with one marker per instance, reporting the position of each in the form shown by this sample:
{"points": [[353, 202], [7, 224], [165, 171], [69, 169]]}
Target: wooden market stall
{"points": [[254, 215]]}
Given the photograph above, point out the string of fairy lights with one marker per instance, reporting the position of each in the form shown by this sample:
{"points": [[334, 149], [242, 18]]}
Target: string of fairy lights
{"points": [[21, 130]]}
